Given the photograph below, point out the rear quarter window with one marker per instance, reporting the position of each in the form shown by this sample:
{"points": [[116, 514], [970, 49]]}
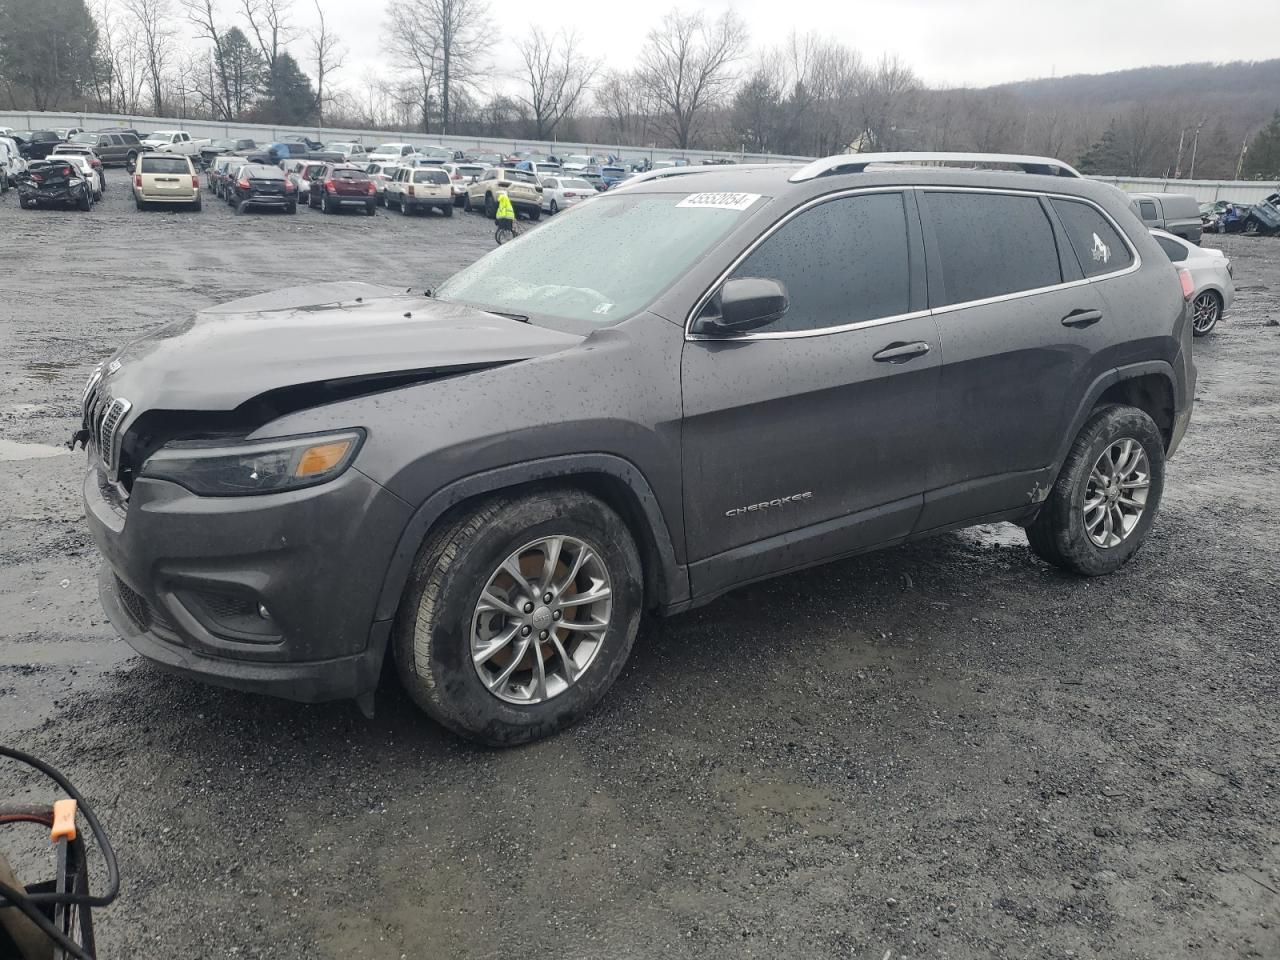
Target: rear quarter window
{"points": [[992, 244], [1175, 251], [1096, 243]]}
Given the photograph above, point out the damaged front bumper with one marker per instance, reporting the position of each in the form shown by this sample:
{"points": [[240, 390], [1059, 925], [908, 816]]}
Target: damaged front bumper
{"points": [[273, 594]]}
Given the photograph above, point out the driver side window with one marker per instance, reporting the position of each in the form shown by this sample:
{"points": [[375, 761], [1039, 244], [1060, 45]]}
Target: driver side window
{"points": [[843, 261]]}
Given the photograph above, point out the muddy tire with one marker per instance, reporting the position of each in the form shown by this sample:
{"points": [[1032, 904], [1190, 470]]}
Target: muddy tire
{"points": [[1106, 497], [526, 689]]}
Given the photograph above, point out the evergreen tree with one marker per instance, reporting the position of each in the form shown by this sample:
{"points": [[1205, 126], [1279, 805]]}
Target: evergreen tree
{"points": [[1104, 156], [290, 98], [47, 50], [1262, 162]]}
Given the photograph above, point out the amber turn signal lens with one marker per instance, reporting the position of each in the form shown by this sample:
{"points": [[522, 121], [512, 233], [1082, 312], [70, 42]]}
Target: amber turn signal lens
{"points": [[321, 458]]}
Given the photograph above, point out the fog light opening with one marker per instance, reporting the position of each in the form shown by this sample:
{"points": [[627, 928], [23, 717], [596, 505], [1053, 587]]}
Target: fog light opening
{"points": [[263, 612]]}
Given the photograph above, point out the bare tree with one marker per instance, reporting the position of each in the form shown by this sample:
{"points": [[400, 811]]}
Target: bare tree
{"points": [[456, 26], [201, 13], [415, 47], [887, 98], [557, 76], [269, 23], [156, 39], [686, 67], [328, 55]]}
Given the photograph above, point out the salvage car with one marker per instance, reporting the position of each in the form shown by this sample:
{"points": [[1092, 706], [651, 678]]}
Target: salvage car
{"points": [[1177, 213], [165, 179], [261, 185], [420, 189], [1264, 217], [490, 482], [92, 174], [336, 186], [521, 188], [54, 183], [37, 144], [97, 169], [1214, 288]]}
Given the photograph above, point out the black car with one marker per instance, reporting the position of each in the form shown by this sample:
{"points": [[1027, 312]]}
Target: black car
{"points": [[38, 144], [261, 185], [708, 377], [53, 183]]}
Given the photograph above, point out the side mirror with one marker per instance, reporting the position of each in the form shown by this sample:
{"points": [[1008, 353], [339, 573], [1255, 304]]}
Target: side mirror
{"points": [[742, 304]]}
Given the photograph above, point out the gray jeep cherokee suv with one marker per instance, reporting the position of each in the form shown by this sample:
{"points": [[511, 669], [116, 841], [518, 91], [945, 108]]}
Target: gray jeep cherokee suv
{"points": [[704, 378]]}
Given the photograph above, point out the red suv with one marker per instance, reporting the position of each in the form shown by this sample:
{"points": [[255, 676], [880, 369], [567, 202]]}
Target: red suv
{"points": [[338, 185]]}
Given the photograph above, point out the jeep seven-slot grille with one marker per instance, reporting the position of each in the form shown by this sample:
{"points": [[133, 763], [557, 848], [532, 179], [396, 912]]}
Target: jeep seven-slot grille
{"points": [[103, 416]]}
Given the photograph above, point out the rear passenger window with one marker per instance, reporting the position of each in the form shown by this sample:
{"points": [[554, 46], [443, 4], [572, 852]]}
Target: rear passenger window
{"points": [[990, 245], [1175, 251], [1097, 245], [1147, 210], [841, 262]]}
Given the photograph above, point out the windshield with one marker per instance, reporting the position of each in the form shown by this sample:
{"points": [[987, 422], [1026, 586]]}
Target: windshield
{"points": [[89, 138], [473, 171], [575, 183], [597, 266], [393, 148], [339, 147]]}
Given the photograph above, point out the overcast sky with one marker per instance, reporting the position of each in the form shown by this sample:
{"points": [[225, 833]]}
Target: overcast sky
{"points": [[947, 42]]}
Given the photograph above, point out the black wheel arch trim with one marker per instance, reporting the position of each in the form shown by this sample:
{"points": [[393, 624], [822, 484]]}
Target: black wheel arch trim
{"points": [[667, 581], [1100, 386]]}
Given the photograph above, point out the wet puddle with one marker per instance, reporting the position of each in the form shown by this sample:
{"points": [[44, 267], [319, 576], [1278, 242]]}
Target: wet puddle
{"points": [[50, 370], [13, 450]]}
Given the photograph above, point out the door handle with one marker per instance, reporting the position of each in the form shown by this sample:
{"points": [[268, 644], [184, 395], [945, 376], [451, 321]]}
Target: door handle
{"points": [[901, 352], [1082, 318]]}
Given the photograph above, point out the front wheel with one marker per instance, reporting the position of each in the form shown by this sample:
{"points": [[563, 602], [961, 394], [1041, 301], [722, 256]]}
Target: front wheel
{"points": [[1102, 505], [519, 615], [1206, 312], [502, 235], [447, 211], [490, 207]]}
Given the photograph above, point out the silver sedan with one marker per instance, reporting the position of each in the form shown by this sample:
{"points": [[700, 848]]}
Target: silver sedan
{"points": [[1215, 290]]}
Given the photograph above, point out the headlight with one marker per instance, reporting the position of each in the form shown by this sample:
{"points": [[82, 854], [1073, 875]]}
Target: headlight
{"points": [[265, 466]]}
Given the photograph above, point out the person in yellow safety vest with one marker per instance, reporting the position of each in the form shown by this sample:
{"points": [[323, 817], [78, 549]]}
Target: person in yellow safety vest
{"points": [[506, 213]]}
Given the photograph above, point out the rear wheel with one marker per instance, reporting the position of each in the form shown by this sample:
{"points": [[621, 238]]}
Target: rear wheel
{"points": [[85, 202], [1102, 505], [326, 206], [519, 615], [292, 208], [405, 209], [24, 203], [1206, 312], [535, 214], [1251, 227], [555, 208], [490, 207], [131, 160], [197, 206], [371, 208], [466, 203], [139, 203], [447, 211]]}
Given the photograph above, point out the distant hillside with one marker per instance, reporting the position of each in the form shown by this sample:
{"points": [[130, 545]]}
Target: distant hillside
{"points": [[1249, 84]]}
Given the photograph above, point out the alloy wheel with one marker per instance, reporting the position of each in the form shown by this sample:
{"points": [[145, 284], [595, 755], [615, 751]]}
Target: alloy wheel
{"points": [[541, 620], [1205, 312], [1115, 494]]}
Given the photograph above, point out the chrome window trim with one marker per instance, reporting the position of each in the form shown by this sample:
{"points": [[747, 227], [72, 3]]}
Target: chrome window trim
{"points": [[915, 315]]}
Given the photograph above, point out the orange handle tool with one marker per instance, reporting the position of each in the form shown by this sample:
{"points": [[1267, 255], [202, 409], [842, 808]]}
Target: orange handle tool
{"points": [[64, 820]]}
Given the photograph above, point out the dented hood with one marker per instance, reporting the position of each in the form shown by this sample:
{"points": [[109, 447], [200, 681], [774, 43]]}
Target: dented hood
{"points": [[225, 355]]}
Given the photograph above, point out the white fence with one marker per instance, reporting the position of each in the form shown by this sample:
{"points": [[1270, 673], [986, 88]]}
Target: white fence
{"points": [[1238, 191], [265, 133]]}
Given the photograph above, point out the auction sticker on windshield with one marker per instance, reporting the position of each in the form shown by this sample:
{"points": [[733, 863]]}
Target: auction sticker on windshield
{"points": [[719, 201]]}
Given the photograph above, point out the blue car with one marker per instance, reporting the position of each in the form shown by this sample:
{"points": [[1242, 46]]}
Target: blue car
{"points": [[286, 150]]}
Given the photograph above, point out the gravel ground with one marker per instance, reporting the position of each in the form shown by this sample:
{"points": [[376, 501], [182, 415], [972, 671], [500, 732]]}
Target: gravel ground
{"points": [[943, 750]]}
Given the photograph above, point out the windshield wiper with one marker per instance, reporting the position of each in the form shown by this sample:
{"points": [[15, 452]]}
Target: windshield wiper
{"points": [[510, 316]]}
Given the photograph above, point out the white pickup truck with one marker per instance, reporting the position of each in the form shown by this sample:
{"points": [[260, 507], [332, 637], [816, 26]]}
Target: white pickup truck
{"points": [[173, 141]]}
